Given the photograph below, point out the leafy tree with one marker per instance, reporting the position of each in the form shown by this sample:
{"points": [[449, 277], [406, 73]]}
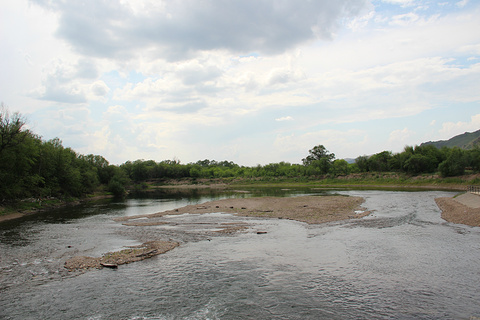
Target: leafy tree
{"points": [[362, 163], [473, 158], [117, 183], [12, 132], [101, 165], [19, 150], [319, 159], [418, 163], [455, 163], [380, 161], [340, 167], [318, 153]]}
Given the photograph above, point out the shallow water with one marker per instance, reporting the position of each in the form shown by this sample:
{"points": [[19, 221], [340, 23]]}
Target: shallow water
{"points": [[402, 262]]}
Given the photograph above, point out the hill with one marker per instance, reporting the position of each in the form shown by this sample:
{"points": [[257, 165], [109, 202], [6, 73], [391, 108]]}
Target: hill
{"points": [[467, 140]]}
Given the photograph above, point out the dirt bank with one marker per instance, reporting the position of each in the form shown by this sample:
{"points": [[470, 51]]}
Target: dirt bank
{"points": [[310, 209], [456, 212]]}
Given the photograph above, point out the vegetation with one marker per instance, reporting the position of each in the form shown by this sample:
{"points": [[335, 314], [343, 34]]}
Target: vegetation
{"points": [[46, 170], [33, 168]]}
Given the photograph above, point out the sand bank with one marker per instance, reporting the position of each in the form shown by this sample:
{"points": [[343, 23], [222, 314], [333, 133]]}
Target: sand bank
{"points": [[464, 209], [309, 209]]}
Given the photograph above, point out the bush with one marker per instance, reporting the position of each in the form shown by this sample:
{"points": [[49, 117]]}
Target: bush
{"points": [[116, 187]]}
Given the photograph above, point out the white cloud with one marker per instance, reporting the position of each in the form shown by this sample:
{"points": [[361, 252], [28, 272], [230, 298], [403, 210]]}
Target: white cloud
{"points": [[98, 90], [400, 137], [405, 19], [450, 129], [400, 2], [462, 3], [287, 118], [70, 82]]}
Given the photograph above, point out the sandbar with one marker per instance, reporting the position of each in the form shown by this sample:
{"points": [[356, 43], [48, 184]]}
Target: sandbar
{"points": [[458, 211], [309, 209]]}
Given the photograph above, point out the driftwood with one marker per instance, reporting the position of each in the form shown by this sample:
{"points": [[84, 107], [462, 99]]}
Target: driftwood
{"points": [[109, 265]]}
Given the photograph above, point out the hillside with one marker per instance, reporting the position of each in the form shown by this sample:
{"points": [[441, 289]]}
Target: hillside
{"points": [[467, 140]]}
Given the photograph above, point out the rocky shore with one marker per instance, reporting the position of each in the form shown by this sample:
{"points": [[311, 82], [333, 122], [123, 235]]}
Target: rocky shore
{"points": [[114, 259]]}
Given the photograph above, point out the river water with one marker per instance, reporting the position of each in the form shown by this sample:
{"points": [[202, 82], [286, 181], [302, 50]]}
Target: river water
{"points": [[401, 262]]}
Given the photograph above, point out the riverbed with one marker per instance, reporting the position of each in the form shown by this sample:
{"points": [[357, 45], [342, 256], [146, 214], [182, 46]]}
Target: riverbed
{"points": [[401, 262]]}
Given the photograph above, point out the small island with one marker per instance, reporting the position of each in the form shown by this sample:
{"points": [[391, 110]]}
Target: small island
{"points": [[309, 209]]}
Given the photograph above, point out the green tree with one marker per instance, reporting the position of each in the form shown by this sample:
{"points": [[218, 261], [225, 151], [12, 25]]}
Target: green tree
{"points": [[362, 163], [319, 160], [12, 132], [455, 163], [118, 182], [418, 163], [473, 158], [380, 161], [19, 150], [318, 153], [340, 167]]}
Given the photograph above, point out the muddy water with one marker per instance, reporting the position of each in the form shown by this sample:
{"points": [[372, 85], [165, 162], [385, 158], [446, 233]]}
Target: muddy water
{"points": [[402, 262]]}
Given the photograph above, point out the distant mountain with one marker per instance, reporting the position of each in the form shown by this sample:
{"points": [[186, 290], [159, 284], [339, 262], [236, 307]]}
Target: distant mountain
{"points": [[468, 140], [349, 160]]}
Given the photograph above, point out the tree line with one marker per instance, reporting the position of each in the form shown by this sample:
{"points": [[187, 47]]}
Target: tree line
{"points": [[32, 167]]}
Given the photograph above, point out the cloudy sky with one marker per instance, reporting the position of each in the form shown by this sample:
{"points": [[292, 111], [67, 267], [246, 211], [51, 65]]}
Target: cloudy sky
{"points": [[250, 81]]}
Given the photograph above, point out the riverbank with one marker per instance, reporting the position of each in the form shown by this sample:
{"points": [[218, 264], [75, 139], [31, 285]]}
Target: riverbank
{"points": [[463, 209], [366, 180], [33, 206]]}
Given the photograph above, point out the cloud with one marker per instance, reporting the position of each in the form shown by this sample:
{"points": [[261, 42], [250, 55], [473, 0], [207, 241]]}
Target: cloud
{"points": [[400, 2], [450, 129], [462, 3], [287, 118], [86, 69], [405, 19], [177, 29], [400, 137], [68, 82], [99, 89], [193, 72]]}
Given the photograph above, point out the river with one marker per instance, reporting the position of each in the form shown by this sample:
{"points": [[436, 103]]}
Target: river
{"points": [[401, 262]]}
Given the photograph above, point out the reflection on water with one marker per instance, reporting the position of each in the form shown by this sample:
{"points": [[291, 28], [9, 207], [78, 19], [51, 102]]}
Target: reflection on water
{"points": [[402, 262]]}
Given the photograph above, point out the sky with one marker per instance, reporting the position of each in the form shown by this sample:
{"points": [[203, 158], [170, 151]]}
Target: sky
{"points": [[250, 81]]}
